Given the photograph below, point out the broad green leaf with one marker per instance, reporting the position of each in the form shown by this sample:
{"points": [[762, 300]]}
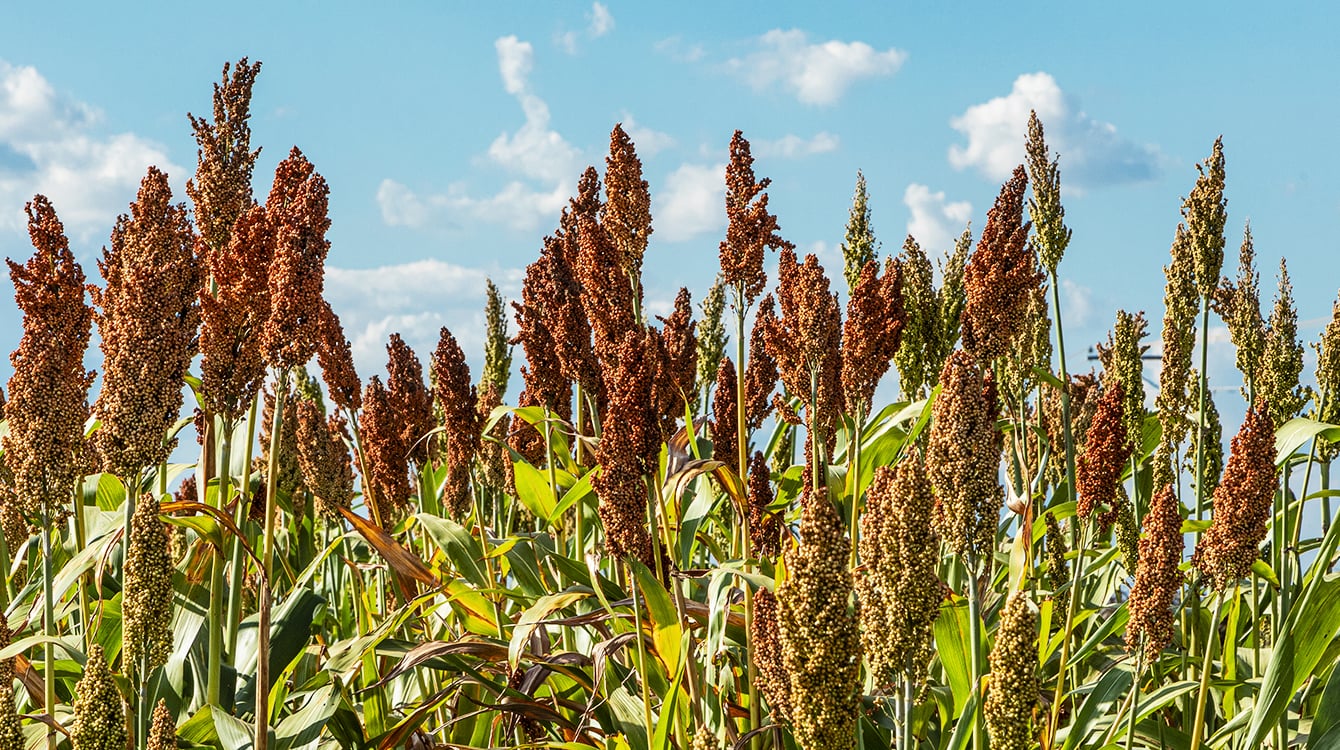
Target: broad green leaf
{"points": [[531, 618], [1309, 628], [951, 639], [1327, 717], [1110, 689], [1295, 433], [532, 489], [302, 727], [666, 629]]}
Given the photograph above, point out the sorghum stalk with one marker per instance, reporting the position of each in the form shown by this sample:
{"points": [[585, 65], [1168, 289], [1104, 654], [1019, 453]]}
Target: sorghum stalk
{"points": [[1198, 725], [236, 567], [214, 669], [267, 563]]}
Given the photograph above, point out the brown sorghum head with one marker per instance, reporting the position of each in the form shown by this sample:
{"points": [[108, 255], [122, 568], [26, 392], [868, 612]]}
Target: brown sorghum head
{"points": [[457, 401], [920, 337], [760, 377], [1205, 214], [725, 417], [606, 293], [805, 341], [1179, 335], [163, 732], [544, 382], [1106, 450], [963, 459], [232, 367], [750, 229], [148, 320], [1282, 356], [221, 190], [146, 604], [386, 470], [626, 214], [821, 646], [410, 397], [871, 334], [564, 314], [711, 342], [49, 389], [1123, 365], [1014, 688], [898, 587], [1240, 306], [337, 363], [858, 247], [99, 713], [1157, 579], [1058, 570], [296, 207], [1242, 502], [675, 380], [774, 681], [324, 459], [1000, 276], [765, 527], [1045, 208], [627, 451]]}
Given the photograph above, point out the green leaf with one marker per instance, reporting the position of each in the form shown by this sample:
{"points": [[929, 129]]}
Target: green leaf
{"points": [[1327, 718], [1111, 687], [666, 630], [1295, 433], [951, 638], [531, 618], [302, 727], [1309, 628], [532, 489]]}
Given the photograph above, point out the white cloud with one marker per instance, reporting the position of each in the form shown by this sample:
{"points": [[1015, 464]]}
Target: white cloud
{"points": [[676, 49], [533, 150], [1078, 303], [816, 73], [515, 61], [793, 146], [1091, 151], [415, 300], [692, 202], [48, 145], [517, 205], [600, 21], [648, 141], [934, 222]]}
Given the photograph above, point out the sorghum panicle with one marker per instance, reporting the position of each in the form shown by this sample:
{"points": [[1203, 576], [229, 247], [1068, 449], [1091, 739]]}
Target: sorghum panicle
{"points": [[858, 247], [323, 458], [952, 299], [1013, 692], [899, 589], [497, 352], [821, 646], [807, 338], [542, 376], [232, 365], [1214, 441], [385, 474], [675, 378], [711, 342], [626, 214], [1240, 307], [1106, 451], [336, 359], [871, 334], [1128, 533], [922, 331], [11, 731], [288, 476], [48, 391], [725, 445], [607, 294], [1181, 303], [1123, 365], [626, 452], [1328, 378], [750, 228], [1282, 356], [457, 400], [765, 527], [1205, 211], [221, 190], [1157, 579], [99, 713], [1058, 570], [1000, 275], [774, 680], [760, 377], [148, 317], [1044, 208], [963, 459], [163, 731], [1242, 502], [146, 605], [297, 208]]}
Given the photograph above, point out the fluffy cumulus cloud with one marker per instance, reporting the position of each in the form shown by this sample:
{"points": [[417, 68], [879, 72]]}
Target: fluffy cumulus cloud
{"points": [[933, 221], [50, 144], [543, 166], [691, 203], [415, 300], [816, 73], [794, 146], [1092, 152]]}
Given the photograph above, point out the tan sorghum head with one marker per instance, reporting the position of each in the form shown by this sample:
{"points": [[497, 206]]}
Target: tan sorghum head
{"points": [[410, 397], [1106, 451], [821, 646], [1181, 304], [1045, 208], [1328, 377], [324, 459], [774, 681], [871, 334], [1242, 502], [952, 298], [750, 229], [457, 401], [1000, 276], [1128, 533], [148, 318], [11, 731], [163, 731], [1239, 304], [963, 459], [1214, 441], [1282, 356], [1013, 689], [99, 713], [898, 587], [1058, 570], [336, 359], [1157, 578], [920, 338], [725, 418], [626, 214], [1205, 212], [760, 377], [232, 366], [296, 207], [1123, 365], [221, 190], [49, 388], [765, 526], [146, 605]]}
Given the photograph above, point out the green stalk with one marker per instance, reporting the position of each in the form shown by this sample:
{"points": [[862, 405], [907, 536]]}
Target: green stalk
{"points": [[143, 709], [1135, 694], [854, 479], [641, 650], [974, 642], [743, 541], [267, 561], [214, 670], [488, 561], [240, 517], [49, 627], [1197, 726]]}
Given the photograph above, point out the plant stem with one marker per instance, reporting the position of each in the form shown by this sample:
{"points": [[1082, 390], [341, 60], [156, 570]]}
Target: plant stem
{"points": [[214, 671], [267, 562], [1135, 694], [1197, 726], [974, 643], [240, 517], [742, 462], [49, 627], [641, 650]]}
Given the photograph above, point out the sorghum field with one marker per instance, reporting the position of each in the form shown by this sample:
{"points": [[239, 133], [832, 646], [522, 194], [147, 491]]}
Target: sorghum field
{"points": [[697, 531]]}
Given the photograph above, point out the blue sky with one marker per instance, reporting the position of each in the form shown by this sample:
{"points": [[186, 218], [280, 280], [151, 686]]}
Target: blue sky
{"points": [[451, 133]]}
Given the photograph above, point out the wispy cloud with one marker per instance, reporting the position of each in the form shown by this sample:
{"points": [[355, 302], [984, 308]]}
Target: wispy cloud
{"points": [[648, 141], [49, 144], [934, 221], [691, 203], [1092, 152], [816, 73], [794, 146], [599, 20]]}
